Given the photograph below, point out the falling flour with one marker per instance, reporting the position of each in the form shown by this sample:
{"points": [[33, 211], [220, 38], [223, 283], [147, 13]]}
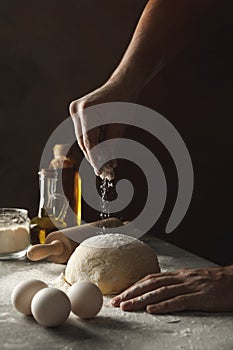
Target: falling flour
{"points": [[105, 204]]}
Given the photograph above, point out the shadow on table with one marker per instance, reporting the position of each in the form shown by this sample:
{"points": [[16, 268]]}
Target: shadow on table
{"points": [[77, 329]]}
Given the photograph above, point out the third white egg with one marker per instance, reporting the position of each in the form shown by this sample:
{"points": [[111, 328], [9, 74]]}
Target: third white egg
{"points": [[86, 299]]}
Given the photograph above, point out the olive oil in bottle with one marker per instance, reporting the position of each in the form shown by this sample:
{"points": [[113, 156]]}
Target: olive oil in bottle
{"points": [[52, 208], [69, 181]]}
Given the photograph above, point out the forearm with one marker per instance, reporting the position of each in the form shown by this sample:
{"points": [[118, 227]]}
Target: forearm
{"points": [[165, 27]]}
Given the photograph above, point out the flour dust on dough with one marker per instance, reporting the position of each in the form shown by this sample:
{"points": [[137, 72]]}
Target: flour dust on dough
{"points": [[112, 261]]}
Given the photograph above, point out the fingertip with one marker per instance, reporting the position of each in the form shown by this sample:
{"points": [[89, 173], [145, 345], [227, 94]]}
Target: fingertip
{"points": [[156, 309], [150, 309], [110, 176], [123, 306], [126, 305], [106, 173], [116, 301]]}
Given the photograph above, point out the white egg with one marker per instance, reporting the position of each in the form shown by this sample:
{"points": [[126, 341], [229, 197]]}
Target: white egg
{"points": [[86, 299], [23, 293], [50, 307]]}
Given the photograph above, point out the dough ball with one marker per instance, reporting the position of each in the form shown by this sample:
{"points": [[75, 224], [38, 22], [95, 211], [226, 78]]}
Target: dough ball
{"points": [[111, 261], [23, 293], [86, 299], [50, 307]]}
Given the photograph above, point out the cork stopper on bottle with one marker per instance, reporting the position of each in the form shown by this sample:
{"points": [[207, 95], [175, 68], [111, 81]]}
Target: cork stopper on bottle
{"points": [[61, 150], [61, 160]]}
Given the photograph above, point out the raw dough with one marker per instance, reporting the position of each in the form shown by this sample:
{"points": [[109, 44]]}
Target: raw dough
{"points": [[111, 261]]}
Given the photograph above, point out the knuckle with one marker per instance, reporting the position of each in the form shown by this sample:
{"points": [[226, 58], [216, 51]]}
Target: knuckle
{"points": [[126, 295], [73, 108], [153, 281], [182, 273], [220, 276], [163, 290], [151, 277], [186, 273]]}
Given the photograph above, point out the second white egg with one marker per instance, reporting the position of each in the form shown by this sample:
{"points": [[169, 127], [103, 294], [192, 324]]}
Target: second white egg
{"points": [[50, 307]]}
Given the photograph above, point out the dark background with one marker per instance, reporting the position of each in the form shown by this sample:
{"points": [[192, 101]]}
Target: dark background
{"points": [[54, 51]]}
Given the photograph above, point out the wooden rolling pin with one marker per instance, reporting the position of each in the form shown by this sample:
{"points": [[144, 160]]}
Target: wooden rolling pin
{"points": [[58, 248]]}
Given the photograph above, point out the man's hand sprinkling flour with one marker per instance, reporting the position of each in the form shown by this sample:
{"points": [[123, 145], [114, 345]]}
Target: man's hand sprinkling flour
{"points": [[110, 92]]}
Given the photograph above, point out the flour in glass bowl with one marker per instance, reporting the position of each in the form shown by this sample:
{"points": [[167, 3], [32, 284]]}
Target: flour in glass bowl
{"points": [[14, 232], [13, 239]]}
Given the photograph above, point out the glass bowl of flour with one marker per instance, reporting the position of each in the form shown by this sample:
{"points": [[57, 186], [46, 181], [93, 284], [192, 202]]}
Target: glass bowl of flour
{"points": [[14, 233]]}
